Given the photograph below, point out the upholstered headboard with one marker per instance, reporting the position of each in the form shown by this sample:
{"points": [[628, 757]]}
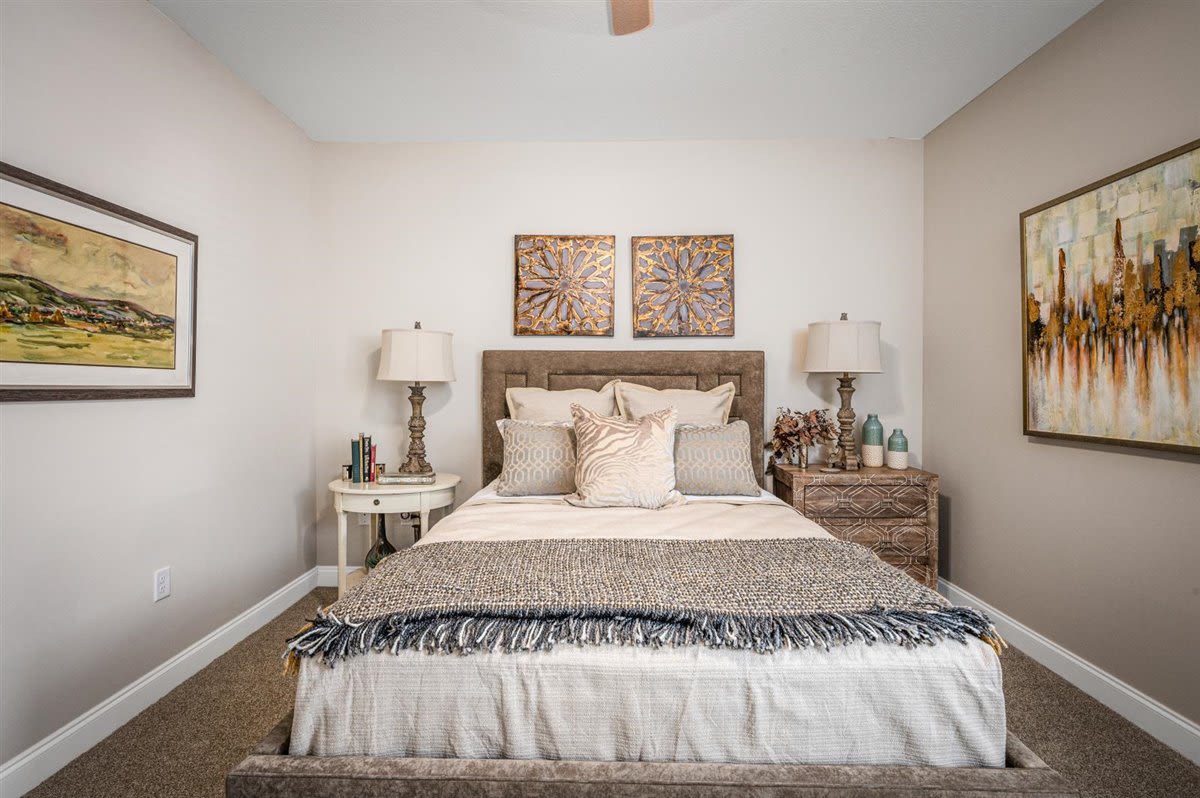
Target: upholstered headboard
{"points": [[560, 370]]}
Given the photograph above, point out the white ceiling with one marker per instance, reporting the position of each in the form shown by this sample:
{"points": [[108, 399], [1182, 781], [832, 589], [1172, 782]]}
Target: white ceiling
{"points": [[538, 70]]}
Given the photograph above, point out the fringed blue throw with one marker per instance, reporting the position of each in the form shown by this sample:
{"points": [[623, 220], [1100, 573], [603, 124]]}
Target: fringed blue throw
{"points": [[458, 597]]}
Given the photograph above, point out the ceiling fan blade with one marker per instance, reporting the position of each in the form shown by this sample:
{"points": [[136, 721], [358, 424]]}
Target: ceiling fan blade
{"points": [[631, 16]]}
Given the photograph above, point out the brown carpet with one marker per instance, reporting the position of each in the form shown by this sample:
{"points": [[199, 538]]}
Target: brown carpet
{"points": [[182, 746]]}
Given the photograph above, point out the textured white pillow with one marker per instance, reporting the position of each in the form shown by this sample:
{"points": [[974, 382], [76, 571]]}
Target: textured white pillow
{"points": [[623, 463], [539, 404], [701, 408]]}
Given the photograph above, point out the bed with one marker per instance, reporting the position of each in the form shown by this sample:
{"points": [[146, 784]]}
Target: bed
{"points": [[619, 720]]}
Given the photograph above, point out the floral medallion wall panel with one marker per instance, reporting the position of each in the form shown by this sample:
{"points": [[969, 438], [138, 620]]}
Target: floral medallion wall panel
{"points": [[564, 285], [682, 286], [96, 301], [1111, 308]]}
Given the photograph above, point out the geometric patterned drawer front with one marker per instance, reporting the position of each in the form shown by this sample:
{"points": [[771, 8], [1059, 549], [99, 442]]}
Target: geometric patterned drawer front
{"points": [[893, 513], [916, 567], [865, 501], [907, 541]]}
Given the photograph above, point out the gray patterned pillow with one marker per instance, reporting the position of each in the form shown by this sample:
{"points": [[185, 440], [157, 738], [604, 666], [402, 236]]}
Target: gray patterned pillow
{"points": [[539, 458], [714, 461], [625, 463]]}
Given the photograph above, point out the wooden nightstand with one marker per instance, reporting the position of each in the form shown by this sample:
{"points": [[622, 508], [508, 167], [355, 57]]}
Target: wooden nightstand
{"points": [[371, 497], [892, 513]]}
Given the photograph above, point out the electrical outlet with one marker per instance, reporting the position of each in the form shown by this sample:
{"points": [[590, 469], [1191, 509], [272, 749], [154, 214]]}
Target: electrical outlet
{"points": [[162, 583], [364, 519]]}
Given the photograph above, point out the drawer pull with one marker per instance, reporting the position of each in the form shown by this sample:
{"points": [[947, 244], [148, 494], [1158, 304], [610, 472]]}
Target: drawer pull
{"points": [[377, 502], [844, 501], [888, 501]]}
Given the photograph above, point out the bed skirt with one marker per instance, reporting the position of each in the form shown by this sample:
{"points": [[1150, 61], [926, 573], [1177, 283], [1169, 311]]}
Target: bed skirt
{"points": [[270, 772]]}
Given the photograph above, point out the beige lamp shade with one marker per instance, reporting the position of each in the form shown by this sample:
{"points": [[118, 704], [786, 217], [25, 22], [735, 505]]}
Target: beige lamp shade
{"points": [[843, 347], [417, 356]]}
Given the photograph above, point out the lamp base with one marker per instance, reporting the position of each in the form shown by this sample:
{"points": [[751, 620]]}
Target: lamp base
{"points": [[416, 465], [848, 459]]}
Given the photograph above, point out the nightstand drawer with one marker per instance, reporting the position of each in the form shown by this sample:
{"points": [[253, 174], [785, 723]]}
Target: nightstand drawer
{"points": [[916, 567], [865, 501], [380, 502], [900, 539]]}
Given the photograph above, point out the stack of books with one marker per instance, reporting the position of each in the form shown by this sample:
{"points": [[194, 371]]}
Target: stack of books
{"points": [[362, 459], [363, 468], [400, 478]]}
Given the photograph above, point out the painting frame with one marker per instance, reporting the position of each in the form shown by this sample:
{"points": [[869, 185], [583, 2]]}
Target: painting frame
{"points": [[1027, 427], [637, 281], [600, 319], [129, 382]]}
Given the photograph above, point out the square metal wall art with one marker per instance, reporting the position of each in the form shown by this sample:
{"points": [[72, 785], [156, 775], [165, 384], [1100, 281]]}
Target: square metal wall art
{"points": [[682, 286], [563, 285]]}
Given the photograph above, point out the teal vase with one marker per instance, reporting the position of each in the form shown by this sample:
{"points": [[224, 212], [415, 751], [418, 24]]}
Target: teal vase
{"points": [[872, 431], [897, 443]]}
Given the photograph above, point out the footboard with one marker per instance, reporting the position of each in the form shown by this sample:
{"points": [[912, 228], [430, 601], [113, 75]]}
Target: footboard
{"points": [[270, 772]]}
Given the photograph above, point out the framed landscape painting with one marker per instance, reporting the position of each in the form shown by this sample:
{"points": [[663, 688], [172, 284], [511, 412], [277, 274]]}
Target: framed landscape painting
{"points": [[96, 301], [1110, 279]]}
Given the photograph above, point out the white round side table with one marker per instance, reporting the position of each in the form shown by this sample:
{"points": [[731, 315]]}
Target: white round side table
{"points": [[371, 497]]}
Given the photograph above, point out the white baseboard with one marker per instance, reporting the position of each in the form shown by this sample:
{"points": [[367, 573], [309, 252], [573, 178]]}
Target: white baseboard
{"points": [[327, 574], [1161, 722], [34, 765]]}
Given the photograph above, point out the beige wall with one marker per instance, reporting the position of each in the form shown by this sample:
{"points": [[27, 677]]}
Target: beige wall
{"points": [[1096, 547], [425, 231], [113, 99]]}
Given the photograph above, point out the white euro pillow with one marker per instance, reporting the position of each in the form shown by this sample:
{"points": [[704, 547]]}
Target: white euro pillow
{"points": [[539, 404], [699, 408]]}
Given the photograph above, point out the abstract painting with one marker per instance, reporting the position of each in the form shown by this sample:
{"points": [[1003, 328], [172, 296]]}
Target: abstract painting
{"points": [[563, 285], [682, 286], [1111, 308], [91, 296]]}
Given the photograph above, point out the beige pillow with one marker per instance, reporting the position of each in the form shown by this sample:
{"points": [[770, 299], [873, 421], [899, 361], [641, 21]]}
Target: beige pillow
{"points": [[714, 461], [702, 408], [539, 458], [623, 463], [539, 404]]}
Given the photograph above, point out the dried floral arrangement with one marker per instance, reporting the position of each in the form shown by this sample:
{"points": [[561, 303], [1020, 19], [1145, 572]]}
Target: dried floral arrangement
{"points": [[795, 432]]}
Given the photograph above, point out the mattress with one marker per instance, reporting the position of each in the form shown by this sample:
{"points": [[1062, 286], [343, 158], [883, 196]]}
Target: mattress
{"points": [[937, 705]]}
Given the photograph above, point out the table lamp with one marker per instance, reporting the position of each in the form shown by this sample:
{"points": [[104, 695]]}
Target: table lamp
{"points": [[417, 356], [847, 348]]}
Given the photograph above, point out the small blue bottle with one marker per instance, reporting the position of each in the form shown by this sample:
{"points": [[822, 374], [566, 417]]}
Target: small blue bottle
{"points": [[872, 431], [872, 442], [897, 453]]}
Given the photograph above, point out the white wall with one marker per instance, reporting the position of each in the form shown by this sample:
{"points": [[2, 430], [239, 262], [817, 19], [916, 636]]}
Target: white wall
{"points": [[410, 231], [113, 99], [225, 487], [1093, 546]]}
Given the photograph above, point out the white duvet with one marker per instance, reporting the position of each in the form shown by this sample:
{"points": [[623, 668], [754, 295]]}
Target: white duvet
{"points": [[857, 704]]}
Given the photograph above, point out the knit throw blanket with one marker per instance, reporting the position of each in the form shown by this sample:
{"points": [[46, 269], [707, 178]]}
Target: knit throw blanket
{"points": [[530, 595]]}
